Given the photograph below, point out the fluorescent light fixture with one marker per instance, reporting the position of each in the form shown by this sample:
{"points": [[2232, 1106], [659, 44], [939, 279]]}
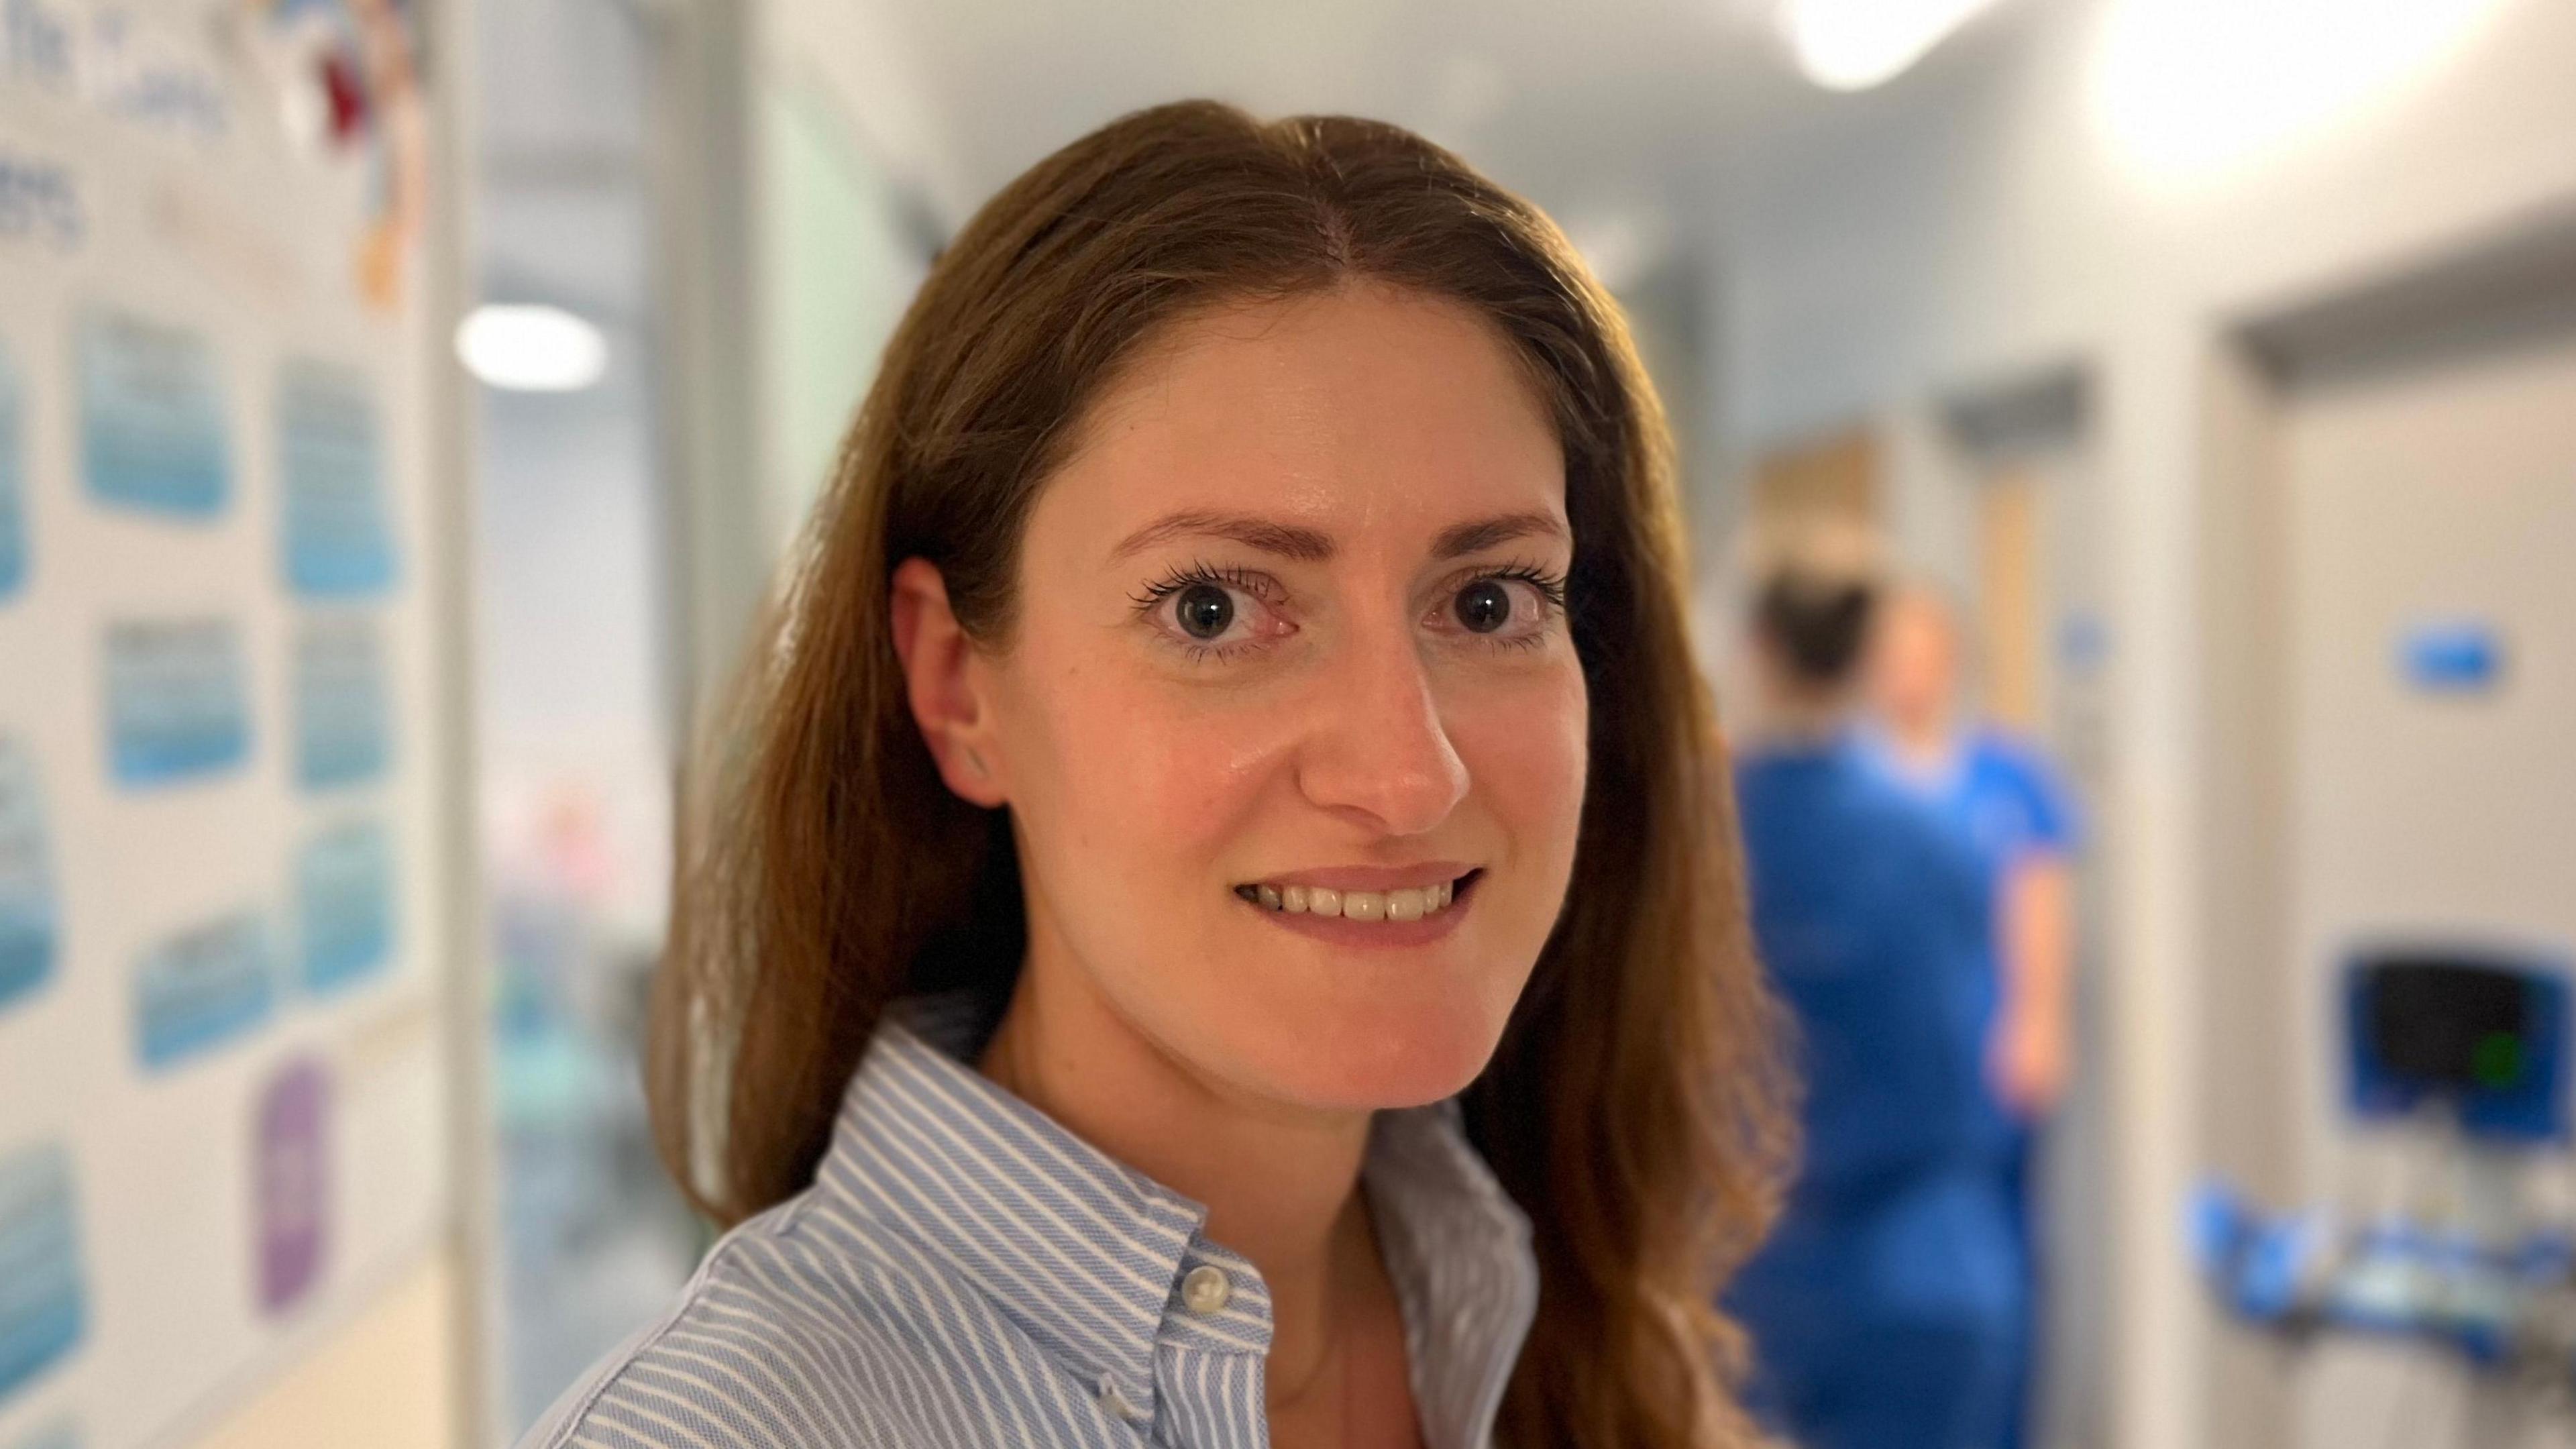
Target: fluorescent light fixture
{"points": [[531, 349], [1851, 45]]}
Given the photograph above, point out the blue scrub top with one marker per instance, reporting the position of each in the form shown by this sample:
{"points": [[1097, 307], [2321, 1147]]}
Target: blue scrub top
{"points": [[1874, 921], [2004, 795], [1883, 1310]]}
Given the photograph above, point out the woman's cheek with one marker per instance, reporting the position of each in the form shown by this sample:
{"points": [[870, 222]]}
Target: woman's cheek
{"points": [[1526, 744], [1162, 771]]}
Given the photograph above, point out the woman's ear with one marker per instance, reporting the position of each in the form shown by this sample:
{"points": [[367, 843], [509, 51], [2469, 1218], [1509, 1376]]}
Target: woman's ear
{"points": [[946, 685]]}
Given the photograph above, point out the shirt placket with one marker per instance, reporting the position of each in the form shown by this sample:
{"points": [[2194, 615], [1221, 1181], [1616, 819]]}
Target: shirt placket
{"points": [[1210, 1357]]}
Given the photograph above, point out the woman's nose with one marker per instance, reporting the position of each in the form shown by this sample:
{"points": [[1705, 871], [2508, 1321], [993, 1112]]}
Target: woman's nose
{"points": [[1377, 751]]}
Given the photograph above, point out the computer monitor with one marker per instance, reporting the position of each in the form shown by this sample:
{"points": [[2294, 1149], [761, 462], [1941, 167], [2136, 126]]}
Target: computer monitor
{"points": [[2478, 1031]]}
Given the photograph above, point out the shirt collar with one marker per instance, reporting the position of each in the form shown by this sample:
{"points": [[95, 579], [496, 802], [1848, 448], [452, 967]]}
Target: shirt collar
{"points": [[1458, 1250], [1087, 1255]]}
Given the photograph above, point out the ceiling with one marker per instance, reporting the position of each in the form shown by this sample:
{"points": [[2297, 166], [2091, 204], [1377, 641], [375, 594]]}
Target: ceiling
{"points": [[1623, 117], [1629, 120]]}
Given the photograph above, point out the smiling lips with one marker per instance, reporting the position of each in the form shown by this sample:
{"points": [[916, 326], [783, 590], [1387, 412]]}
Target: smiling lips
{"points": [[1398, 905]]}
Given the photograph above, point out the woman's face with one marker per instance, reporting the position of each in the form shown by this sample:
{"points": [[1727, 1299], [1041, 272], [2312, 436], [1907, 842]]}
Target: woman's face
{"points": [[1289, 632]]}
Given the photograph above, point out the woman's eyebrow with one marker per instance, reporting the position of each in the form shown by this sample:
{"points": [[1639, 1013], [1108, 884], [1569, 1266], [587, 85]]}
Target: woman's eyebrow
{"points": [[1484, 533], [1308, 545], [1285, 539]]}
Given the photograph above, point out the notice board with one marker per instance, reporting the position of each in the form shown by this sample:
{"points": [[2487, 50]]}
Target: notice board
{"points": [[222, 1074]]}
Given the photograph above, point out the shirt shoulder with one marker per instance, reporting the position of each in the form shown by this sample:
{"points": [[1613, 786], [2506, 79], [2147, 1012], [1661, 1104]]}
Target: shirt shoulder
{"points": [[781, 1341], [2022, 776]]}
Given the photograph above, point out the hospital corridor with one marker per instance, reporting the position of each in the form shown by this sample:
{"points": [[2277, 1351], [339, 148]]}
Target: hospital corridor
{"points": [[1827, 723]]}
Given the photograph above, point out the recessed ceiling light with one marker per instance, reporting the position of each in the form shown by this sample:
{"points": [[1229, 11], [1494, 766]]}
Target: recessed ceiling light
{"points": [[531, 349], [1850, 45]]}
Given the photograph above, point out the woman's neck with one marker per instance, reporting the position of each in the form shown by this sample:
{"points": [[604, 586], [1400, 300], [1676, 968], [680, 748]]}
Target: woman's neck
{"points": [[1280, 1185], [1797, 715], [1924, 741]]}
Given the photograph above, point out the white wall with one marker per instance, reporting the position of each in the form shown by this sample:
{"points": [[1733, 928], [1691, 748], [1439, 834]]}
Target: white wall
{"points": [[798, 227], [2416, 495], [2077, 182], [838, 266], [1994, 211]]}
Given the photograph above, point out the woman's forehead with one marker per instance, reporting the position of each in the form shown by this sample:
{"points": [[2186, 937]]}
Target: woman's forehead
{"points": [[1355, 412]]}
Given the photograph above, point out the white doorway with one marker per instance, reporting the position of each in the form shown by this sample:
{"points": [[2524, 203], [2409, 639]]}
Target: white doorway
{"points": [[2396, 615]]}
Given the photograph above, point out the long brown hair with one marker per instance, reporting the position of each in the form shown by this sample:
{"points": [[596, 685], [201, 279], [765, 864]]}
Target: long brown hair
{"points": [[1632, 1108]]}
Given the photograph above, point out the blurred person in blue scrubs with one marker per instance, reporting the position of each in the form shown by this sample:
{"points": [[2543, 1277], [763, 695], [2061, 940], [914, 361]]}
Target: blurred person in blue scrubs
{"points": [[2000, 792], [1884, 1309]]}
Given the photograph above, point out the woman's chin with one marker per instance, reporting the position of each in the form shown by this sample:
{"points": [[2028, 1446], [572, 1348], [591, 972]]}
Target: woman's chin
{"points": [[1377, 1064]]}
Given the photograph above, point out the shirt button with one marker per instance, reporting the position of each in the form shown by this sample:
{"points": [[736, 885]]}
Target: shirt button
{"points": [[1115, 1402], [1206, 1289]]}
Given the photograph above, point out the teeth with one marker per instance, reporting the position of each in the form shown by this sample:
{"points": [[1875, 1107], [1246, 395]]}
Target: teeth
{"points": [[1410, 904]]}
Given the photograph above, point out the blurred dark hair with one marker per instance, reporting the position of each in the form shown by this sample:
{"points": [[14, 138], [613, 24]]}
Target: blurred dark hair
{"points": [[1817, 625]]}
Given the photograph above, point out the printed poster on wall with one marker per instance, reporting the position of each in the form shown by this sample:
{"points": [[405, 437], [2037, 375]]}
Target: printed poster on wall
{"points": [[44, 1310], [27, 927], [152, 417]]}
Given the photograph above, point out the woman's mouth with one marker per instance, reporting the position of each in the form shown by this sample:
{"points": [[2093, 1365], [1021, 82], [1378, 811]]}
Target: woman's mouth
{"points": [[1399, 906]]}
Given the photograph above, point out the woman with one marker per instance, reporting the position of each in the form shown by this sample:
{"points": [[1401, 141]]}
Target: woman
{"points": [[1216, 923], [1885, 1307], [2002, 794]]}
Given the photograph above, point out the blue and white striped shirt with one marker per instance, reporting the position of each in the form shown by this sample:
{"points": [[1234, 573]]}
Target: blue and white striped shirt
{"points": [[965, 1272]]}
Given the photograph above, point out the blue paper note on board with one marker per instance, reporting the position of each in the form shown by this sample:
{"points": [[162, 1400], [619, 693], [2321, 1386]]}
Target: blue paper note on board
{"points": [[344, 906], [338, 538], [28, 927], [152, 426], [13, 482], [177, 705], [44, 1303], [201, 988], [342, 719]]}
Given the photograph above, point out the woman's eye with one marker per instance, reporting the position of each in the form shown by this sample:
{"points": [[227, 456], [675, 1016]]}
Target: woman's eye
{"points": [[1484, 606], [1500, 609], [1204, 611], [1199, 613]]}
